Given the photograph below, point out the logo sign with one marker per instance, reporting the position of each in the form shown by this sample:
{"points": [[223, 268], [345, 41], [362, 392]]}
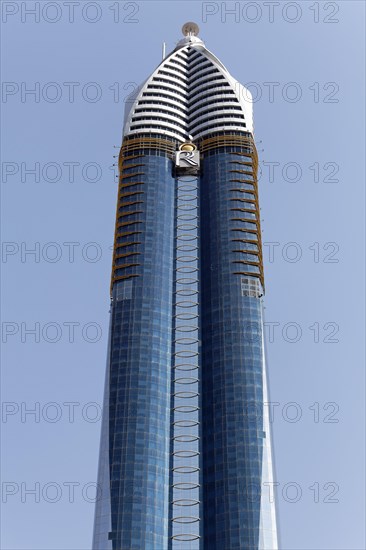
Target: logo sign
{"points": [[188, 158]]}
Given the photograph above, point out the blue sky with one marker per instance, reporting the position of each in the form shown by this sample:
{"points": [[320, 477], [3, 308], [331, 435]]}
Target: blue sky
{"points": [[305, 63]]}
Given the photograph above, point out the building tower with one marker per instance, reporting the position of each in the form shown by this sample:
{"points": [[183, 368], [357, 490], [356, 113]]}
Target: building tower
{"points": [[185, 456]]}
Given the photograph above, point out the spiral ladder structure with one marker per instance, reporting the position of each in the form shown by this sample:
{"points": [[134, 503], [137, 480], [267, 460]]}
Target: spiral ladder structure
{"points": [[185, 490]]}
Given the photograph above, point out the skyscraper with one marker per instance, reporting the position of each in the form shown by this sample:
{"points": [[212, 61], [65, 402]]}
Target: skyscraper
{"points": [[185, 457]]}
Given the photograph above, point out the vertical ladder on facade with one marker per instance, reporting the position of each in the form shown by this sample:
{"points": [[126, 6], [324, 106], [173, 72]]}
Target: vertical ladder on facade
{"points": [[185, 528]]}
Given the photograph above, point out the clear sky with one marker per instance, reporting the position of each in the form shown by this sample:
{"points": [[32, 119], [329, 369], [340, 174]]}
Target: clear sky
{"points": [[304, 63]]}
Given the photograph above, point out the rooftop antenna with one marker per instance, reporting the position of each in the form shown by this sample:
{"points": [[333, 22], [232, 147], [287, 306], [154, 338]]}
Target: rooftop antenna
{"points": [[164, 48]]}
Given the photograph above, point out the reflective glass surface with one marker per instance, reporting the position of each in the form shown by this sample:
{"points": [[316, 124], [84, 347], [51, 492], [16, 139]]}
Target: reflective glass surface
{"points": [[186, 445], [233, 431], [139, 382]]}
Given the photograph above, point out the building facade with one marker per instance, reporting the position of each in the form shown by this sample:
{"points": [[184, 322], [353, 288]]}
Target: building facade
{"points": [[185, 457]]}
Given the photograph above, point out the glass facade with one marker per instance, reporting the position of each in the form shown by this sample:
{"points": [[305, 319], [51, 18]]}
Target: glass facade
{"points": [[140, 361], [185, 457], [232, 381]]}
